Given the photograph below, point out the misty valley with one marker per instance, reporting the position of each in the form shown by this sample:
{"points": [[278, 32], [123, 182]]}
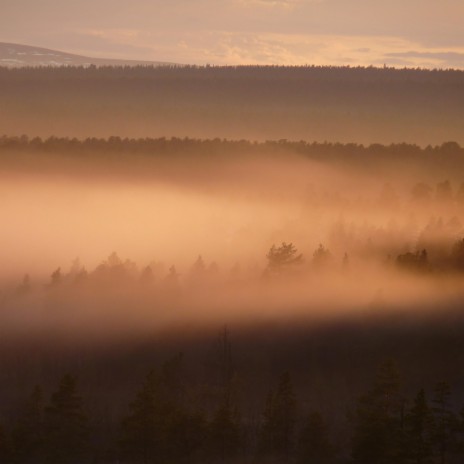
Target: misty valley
{"points": [[231, 264]]}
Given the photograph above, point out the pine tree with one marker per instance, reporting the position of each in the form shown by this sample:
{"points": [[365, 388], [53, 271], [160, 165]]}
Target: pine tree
{"points": [[224, 433], [141, 437], [313, 441], [28, 435], [65, 425], [283, 257], [278, 428], [378, 420], [418, 422], [183, 427], [225, 429], [445, 422], [159, 426]]}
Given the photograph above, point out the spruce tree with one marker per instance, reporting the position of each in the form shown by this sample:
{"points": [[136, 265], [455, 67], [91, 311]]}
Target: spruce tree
{"points": [[224, 433], [377, 434], [418, 423], [225, 428], [160, 427], [65, 426], [142, 434], [313, 442], [278, 427], [28, 435], [445, 423]]}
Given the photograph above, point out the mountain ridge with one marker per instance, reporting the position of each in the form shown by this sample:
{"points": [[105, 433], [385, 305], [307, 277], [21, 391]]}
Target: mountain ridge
{"points": [[13, 55]]}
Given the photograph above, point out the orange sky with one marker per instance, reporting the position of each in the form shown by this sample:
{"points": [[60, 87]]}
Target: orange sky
{"points": [[426, 33]]}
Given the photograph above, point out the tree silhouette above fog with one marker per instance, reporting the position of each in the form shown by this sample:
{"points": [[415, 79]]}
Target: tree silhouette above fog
{"points": [[322, 256], [413, 261], [283, 257]]}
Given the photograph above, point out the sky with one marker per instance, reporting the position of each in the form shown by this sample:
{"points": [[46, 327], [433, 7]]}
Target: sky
{"points": [[425, 33]]}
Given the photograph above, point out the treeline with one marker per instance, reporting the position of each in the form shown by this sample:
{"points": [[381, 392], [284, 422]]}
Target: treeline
{"points": [[167, 421], [281, 260], [173, 71], [446, 154]]}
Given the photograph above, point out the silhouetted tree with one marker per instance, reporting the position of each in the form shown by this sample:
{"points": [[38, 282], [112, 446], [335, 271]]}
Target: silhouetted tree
{"points": [[28, 435], [283, 257], [418, 427], [278, 427], [413, 261], [457, 255], [25, 286], [378, 420], [56, 277], [445, 422], [225, 433], [321, 257], [142, 435], [313, 442], [198, 268], [159, 427], [146, 277], [225, 430], [66, 430], [171, 281]]}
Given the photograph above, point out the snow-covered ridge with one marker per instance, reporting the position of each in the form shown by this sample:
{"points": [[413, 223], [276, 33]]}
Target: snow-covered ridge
{"points": [[15, 55]]}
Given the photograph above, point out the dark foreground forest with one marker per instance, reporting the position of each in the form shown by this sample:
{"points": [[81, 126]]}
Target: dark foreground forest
{"points": [[347, 392]]}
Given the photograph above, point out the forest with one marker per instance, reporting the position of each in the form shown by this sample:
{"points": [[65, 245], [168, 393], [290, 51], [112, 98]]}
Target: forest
{"points": [[252, 264], [373, 105], [259, 346]]}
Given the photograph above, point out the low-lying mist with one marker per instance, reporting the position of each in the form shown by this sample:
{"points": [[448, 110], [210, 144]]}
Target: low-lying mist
{"points": [[181, 243]]}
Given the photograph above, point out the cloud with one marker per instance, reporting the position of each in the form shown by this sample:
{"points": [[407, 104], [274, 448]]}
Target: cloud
{"points": [[240, 31], [216, 47], [287, 4], [431, 58]]}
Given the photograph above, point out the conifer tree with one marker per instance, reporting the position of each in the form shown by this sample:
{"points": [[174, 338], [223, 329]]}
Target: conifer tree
{"points": [[224, 432], [418, 422], [141, 437], [65, 427], [28, 435], [445, 422], [277, 431], [377, 433], [313, 442], [225, 429], [159, 426]]}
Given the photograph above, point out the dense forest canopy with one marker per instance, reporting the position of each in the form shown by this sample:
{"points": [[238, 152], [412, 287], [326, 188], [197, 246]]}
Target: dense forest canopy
{"points": [[446, 159], [373, 105]]}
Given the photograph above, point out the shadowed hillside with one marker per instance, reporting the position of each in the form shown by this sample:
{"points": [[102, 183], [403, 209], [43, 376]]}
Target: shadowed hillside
{"points": [[362, 105]]}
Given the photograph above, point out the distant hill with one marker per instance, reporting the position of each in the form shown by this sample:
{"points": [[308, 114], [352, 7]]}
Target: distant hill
{"points": [[15, 55], [334, 104]]}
